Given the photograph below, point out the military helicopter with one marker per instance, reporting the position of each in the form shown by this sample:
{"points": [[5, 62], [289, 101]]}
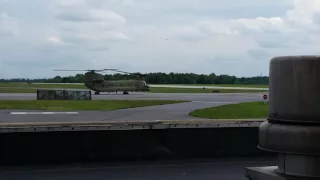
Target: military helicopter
{"points": [[96, 82]]}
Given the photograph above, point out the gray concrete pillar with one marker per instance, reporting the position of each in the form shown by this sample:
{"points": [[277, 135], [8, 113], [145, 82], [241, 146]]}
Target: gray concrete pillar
{"points": [[292, 128]]}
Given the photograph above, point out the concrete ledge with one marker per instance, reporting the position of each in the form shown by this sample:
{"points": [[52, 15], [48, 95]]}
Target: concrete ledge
{"points": [[125, 125], [263, 173], [115, 145]]}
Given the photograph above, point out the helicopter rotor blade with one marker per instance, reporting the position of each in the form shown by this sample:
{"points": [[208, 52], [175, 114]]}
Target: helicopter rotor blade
{"points": [[110, 69], [125, 72], [122, 72], [76, 70], [99, 70], [137, 74]]}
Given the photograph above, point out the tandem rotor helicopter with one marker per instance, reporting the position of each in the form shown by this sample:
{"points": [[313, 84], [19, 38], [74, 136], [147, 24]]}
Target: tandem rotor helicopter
{"points": [[96, 82]]}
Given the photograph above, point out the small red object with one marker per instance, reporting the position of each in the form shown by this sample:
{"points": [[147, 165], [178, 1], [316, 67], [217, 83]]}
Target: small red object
{"points": [[265, 96]]}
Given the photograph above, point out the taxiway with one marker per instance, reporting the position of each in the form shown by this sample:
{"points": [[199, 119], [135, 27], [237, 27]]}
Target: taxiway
{"points": [[178, 111]]}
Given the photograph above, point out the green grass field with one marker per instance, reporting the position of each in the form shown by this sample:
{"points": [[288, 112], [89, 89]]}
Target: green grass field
{"points": [[199, 90], [71, 86], [81, 104], [17, 90], [152, 90], [243, 85], [247, 110], [226, 85]]}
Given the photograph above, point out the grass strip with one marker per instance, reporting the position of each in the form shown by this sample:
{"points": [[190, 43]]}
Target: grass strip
{"points": [[247, 110], [64, 105]]}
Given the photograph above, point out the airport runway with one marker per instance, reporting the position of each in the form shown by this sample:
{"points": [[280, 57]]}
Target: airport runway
{"points": [[220, 169], [177, 111]]}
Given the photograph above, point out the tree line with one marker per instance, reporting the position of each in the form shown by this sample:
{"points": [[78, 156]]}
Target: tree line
{"points": [[158, 78]]}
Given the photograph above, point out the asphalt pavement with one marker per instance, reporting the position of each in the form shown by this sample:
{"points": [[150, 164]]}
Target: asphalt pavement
{"points": [[177, 111], [162, 112], [220, 169]]}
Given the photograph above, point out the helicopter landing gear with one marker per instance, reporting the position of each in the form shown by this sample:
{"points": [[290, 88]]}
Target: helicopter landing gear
{"points": [[96, 92], [125, 92]]}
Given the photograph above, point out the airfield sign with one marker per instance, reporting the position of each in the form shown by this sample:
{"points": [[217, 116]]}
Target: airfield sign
{"points": [[265, 98]]}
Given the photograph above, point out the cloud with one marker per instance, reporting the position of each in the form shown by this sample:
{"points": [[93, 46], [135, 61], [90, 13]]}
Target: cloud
{"points": [[283, 40], [250, 27], [303, 11], [3, 2], [78, 22], [8, 25], [54, 40], [91, 15], [259, 24], [258, 53], [189, 33], [296, 27], [93, 36], [236, 37]]}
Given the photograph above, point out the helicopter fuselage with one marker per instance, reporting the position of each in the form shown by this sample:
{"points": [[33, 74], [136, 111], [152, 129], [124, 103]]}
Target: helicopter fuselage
{"points": [[117, 86]]}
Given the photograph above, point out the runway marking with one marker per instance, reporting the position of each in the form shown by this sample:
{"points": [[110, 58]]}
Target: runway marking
{"points": [[41, 113], [138, 166]]}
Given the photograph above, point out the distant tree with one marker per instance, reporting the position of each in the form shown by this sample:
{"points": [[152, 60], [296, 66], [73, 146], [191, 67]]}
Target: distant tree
{"points": [[158, 78]]}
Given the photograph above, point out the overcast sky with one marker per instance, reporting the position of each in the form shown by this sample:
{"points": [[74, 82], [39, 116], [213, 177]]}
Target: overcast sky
{"points": [[225, 37]]}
